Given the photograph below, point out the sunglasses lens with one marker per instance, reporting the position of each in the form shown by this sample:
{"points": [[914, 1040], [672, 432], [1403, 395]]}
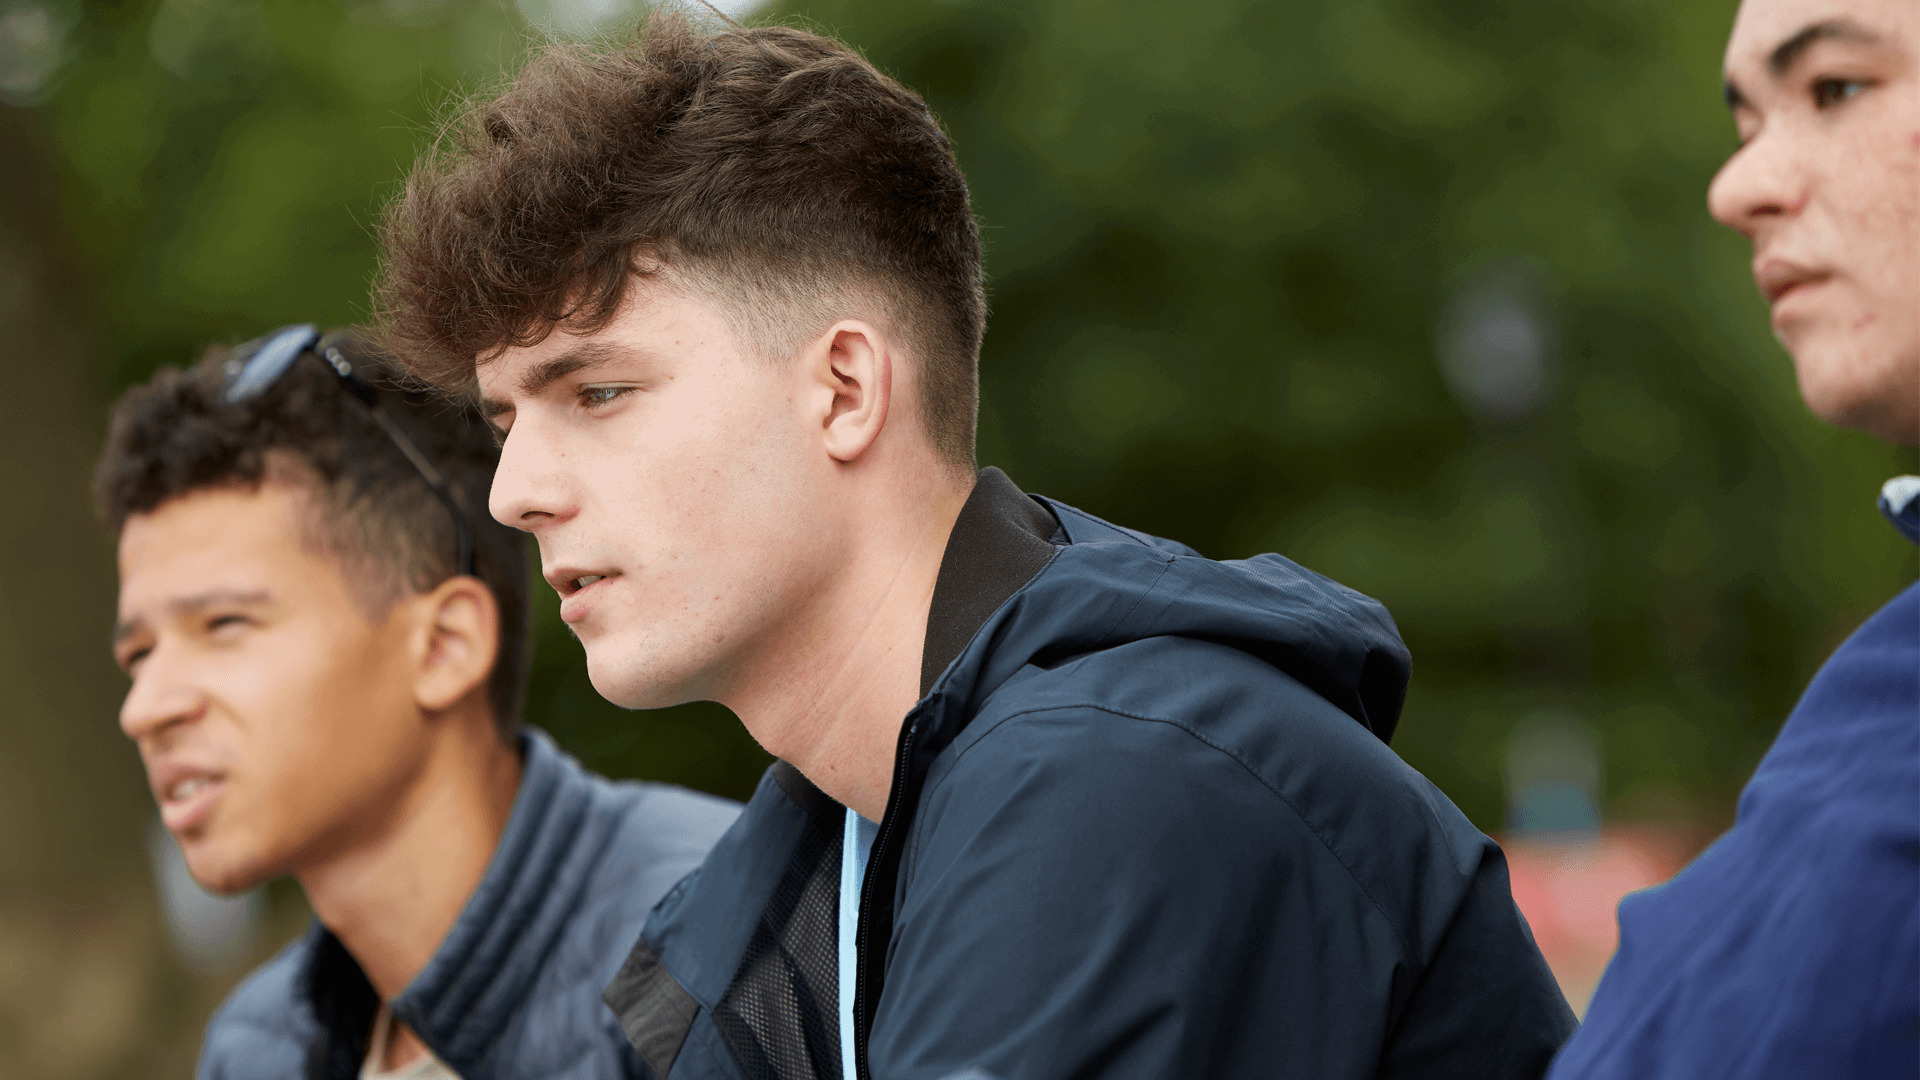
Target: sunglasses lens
{"points": [[256, 372]]}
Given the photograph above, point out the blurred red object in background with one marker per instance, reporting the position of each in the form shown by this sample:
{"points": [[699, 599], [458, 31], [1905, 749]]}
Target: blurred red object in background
{"points": [[1568, 887]]}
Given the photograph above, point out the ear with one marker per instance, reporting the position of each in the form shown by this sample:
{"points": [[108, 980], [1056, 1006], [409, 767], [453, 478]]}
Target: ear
{"points": [[853, 361], [458, 638]]}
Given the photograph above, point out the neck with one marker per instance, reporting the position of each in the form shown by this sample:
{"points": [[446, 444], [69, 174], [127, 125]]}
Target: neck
{"points": [[392, 896], [831, 697]]}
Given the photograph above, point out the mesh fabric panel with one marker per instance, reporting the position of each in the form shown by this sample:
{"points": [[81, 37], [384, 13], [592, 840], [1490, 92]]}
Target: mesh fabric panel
{"points": [[780, 1015]]}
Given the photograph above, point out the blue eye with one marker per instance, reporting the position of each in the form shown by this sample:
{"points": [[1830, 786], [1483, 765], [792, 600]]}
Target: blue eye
{"points": [[601, 395], [1830, 92]]}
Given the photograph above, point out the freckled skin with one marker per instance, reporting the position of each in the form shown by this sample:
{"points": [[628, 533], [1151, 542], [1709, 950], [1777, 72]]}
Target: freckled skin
{"points": [[691, 487], [1827, 186]]}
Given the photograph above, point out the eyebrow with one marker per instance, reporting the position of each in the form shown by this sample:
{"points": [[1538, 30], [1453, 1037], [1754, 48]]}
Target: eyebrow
{"points": [[1788, 52], [584, 357], [187, 605]]}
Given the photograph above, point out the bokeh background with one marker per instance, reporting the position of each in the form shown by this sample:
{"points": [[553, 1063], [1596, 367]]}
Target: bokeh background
{"points": [[1421, 293]]}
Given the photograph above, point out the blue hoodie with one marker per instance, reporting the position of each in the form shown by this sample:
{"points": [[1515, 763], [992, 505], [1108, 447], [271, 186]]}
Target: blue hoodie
{"points": [[1144, 823], [512, 992], [1791, 947]]}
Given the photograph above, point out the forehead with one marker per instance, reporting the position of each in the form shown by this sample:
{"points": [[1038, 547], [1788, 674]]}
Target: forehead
{"points": [[213, 540], [1763, 26], [659, 322]]}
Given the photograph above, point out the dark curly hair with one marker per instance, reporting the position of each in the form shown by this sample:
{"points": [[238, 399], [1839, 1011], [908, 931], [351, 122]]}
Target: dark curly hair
{"points": [[371, 512], [769, 165]]}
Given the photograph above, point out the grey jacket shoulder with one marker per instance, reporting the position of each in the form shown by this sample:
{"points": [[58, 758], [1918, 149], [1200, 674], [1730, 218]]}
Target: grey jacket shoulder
{"points": [[562, 1028], [514, 989], [265, 1025]]}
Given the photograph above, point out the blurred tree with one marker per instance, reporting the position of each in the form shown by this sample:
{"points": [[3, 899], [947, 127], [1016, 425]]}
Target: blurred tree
{"points": [[85, 986]]}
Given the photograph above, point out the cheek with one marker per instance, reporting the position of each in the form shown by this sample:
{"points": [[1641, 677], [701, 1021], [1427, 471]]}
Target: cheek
{"points": [[323, 733], [1879, 189], [714, 476]]}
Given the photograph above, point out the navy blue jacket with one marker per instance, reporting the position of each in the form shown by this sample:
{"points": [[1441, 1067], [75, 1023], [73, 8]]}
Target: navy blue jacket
{"points": [[1791, 947], [1144, 823], [514, 991]]}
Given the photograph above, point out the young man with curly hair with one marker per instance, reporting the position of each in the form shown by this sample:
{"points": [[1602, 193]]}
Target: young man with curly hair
{"points": [[1055, 798], [329, 652], [1791, 948]]}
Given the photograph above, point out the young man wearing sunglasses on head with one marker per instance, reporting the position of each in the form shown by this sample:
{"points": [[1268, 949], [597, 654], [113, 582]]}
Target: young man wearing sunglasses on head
{"points": [[329, 654], [1057, 799], [1791, 947]]}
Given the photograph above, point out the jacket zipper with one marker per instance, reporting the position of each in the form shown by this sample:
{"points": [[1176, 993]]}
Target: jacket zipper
{"points": [[895, 803]]}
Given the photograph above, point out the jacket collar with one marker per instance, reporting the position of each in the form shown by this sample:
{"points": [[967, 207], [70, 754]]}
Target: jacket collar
{"points": [[1000, 540], [1900, 502], [485, 968]]}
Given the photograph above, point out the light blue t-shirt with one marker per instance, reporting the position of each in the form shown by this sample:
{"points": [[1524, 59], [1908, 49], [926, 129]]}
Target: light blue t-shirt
{"points": [[854, 846]]}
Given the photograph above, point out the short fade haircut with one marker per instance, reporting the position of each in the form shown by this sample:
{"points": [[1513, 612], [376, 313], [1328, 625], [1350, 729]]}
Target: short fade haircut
{"points": [[770, 166], [369, 511]]}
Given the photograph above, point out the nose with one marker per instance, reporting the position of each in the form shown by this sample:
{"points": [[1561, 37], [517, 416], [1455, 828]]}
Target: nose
{"points": [[1757, 188], [530, 484], [158, 699]]}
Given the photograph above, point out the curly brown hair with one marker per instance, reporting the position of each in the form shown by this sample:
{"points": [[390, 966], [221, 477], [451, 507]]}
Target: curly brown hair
{"points": [[368, 510], [771, 165]]}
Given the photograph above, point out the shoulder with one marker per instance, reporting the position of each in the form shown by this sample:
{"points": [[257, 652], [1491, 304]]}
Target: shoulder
{"points": [[1863, 699], [1127, 856], [264, 1027], [654, 833], [1208, 752], [1156, 711], [655, 821], [652, 836], [627, 844], [1817, 881], [630, 836]]}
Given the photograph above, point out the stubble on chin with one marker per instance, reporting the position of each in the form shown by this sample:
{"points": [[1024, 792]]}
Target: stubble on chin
{"points": [[629, 677]]}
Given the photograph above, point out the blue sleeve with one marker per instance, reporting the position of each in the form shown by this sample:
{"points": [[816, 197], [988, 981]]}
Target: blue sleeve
{"points": [[1791, 947]]}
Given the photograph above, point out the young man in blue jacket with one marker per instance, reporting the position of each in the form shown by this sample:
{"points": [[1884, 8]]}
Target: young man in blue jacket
{"points": [[1791, 948], [1056, 798], [329, 653]]}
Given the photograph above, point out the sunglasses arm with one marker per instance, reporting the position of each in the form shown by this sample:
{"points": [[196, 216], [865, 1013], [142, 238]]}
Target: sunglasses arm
{"points": [[434, 480]]}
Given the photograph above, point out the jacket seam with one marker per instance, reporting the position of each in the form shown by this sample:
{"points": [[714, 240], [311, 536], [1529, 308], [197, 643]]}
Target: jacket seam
{"points": [[1091, 520], [1399, 935], [1120, 620], [1166, 565]]}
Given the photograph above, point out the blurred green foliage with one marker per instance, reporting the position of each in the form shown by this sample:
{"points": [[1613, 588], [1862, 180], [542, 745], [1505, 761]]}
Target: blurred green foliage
{"points": [[1223, 240]]}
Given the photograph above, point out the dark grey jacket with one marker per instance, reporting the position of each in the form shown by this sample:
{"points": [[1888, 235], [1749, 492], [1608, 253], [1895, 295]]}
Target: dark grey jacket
{"points": [[514, 990], [1144, 823]]}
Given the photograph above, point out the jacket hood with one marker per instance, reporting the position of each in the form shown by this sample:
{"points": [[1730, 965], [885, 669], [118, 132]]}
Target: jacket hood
{"points": [[1106, 586]]}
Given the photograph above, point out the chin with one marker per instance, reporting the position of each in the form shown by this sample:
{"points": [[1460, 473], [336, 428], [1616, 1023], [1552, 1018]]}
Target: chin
{"points": [[221, 871], [1853, 385], [633, 683], [228, 860]]}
